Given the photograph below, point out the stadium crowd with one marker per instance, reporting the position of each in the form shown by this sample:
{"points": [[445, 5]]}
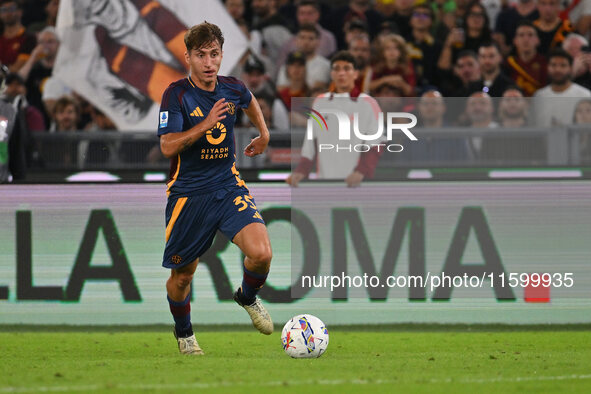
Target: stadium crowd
{"points": [[403, 48]]}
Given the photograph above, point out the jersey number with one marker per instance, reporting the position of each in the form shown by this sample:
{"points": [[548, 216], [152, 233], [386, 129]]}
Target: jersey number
{"points": [[243, 202]]}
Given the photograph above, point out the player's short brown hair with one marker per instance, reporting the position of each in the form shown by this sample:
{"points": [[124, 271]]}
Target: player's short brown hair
{"points": [[203, 34]]}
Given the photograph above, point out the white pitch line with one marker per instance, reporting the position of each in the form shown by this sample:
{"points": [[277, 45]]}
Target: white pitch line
{"points": [[321, 382]]}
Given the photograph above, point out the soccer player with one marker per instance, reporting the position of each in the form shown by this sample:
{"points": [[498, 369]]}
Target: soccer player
{"points": [[205, 191]]}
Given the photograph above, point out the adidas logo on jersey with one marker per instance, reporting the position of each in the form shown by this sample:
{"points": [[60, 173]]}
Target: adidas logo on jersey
{"points": [[197, 112]]}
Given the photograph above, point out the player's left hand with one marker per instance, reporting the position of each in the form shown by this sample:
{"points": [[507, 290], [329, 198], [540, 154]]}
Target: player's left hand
{"points": [[256, 146], [354, 179]]}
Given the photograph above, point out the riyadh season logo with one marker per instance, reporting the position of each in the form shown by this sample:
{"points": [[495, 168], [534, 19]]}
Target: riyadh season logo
{"points": [[341, 139]]}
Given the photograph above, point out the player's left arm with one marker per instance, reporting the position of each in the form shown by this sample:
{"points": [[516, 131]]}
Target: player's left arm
{"points": [[258, 144]]}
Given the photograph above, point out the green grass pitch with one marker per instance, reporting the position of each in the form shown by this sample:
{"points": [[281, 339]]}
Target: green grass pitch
{"points": [[392, 359]]}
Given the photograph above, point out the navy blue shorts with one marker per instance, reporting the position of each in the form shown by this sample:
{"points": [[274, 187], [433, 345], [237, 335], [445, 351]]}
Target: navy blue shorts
{"points": [[192, 222]]}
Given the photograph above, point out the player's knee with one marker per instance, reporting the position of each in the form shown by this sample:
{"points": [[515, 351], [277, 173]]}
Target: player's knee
{"points": [[262, 257], [183, 279]]}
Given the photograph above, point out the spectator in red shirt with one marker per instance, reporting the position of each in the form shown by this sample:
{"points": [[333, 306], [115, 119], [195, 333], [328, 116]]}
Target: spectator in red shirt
{"points": [[296, 76], [15, 43], [394, 66]]}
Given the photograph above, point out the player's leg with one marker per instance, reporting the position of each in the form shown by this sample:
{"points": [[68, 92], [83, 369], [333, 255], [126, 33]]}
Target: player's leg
{"points": [[254, 242], [178, 289], [189, 233]]}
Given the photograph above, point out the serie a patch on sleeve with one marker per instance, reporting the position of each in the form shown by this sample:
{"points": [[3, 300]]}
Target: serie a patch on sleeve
{"points": [[163, 119]]}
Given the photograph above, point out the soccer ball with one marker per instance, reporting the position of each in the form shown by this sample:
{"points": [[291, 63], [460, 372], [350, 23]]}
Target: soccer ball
{"points": [[304, 336]]}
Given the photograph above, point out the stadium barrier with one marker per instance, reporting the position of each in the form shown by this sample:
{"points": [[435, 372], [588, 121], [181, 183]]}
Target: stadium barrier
{"points": [[91, 254]]}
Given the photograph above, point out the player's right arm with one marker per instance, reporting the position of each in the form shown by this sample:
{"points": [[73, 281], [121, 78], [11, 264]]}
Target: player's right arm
{"points": [[174, 142]]}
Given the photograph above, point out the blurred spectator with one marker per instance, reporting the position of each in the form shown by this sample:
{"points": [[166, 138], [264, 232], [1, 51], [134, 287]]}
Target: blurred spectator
{"points": [[517, 148], [422, 48], [578, 47], [447, 16], [508, 20], [466, 72], [308, 13], [51, 9], [255, 78], [96, 151], [480, 111], [479, 114], [474, 32], [494, 81], [402, 16], [583, 112], [296, 77], [551, 29], [554, 104], [431, 110], [254, 52], [387, 8], [387, 90], [527, 68], [360, 48], [235, 8], [15, 43], [432, 148], [265, 101], [16, 93], [582, 116], [14, 136], [360, 10], [355, 28], [317, 67], [394, 66], [259, 84], [39, 67], [513, 108], [579, 13], [273, 27], [493, 8], [66, 115]]}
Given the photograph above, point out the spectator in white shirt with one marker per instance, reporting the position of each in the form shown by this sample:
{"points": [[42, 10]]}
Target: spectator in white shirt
{"points": [[555, 104], [308, 13], [317, 67]]}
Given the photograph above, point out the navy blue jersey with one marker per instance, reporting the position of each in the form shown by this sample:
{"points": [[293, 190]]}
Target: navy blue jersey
{"points": [[208, 164]]}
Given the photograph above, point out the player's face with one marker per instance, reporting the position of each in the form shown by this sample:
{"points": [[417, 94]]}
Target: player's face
{"points": [[205, 62], [343, 74]]}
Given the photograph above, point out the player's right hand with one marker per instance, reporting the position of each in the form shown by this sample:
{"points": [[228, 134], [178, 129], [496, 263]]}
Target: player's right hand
{"points": [[216, 113], [294, 179]]}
